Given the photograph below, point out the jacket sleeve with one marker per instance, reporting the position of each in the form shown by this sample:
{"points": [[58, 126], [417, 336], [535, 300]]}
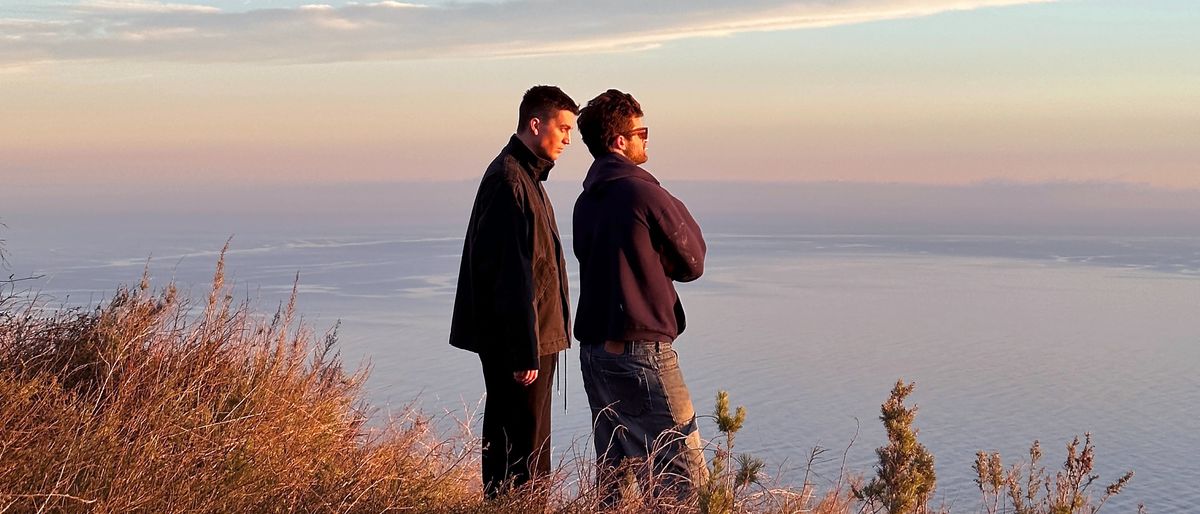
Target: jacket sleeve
{"points": [[680, 241], [505, 240]]}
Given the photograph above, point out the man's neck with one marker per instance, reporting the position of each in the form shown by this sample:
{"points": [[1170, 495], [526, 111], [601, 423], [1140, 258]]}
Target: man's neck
{"points": [[528, 140], [619, 154]]}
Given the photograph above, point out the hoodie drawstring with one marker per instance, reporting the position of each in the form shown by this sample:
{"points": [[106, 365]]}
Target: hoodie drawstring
{"points": [[560, 380]]}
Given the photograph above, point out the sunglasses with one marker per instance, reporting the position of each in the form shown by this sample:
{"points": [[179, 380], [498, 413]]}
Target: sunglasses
{"points": [[642, 132]]}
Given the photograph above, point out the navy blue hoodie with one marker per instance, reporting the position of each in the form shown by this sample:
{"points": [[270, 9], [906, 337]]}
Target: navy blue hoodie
{"points": [[633, 240]]}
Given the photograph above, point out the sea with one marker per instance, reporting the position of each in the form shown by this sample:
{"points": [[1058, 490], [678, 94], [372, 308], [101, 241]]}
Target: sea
{"points": [[1009, 339]]}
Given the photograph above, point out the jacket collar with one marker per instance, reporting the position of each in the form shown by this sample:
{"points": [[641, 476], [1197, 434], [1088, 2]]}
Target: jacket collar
{"points": [[537, 167], [614, 166]]}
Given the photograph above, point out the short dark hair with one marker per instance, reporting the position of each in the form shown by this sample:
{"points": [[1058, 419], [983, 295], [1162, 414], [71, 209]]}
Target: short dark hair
{"points": [[606, 117], [543, 102]]}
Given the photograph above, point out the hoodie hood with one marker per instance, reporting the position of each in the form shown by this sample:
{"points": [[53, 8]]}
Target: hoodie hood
{"points": [[614, 166]]}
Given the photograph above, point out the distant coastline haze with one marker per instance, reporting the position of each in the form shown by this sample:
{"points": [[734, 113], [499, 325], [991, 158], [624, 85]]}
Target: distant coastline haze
{"points": [[733, 207]]}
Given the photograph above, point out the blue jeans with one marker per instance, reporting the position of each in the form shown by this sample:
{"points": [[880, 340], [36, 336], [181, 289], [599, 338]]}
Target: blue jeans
{"points": [[643, 419]]}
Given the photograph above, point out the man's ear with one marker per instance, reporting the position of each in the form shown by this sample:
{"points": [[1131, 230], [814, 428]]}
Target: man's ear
{"points": [[535, 126], [619, 144]]}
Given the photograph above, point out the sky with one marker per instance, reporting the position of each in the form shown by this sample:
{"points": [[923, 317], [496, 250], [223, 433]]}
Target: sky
{"points": [[157, 97]]}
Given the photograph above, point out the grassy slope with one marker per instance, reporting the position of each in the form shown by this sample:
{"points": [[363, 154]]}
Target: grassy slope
{"points": [[144, 404]]}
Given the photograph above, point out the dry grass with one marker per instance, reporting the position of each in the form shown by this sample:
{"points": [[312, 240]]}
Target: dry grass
{"points": [[147, 405], [139, 406], [1028, 490]]}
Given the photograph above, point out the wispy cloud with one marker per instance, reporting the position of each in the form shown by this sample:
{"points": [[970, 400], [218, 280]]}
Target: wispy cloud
{"points": [[140, 6], [391, 30]]}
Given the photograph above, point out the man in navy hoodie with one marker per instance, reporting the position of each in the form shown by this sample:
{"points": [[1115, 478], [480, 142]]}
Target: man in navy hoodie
{"points": [[633, 241]]}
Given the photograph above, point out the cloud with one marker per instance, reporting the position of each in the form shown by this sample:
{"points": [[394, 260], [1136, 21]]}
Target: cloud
{"points": [[390, 30], [140, 6]]}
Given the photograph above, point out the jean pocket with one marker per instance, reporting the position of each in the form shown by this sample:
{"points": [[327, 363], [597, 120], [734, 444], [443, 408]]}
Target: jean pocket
{"points": [[629, 391]]}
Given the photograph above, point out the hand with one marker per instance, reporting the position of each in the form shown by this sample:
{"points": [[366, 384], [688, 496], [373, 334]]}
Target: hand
{"points": [[525, 377]]}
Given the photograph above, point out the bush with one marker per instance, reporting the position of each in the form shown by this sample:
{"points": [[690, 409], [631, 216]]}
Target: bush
{"points": [[1022, 488], [905, 478]]}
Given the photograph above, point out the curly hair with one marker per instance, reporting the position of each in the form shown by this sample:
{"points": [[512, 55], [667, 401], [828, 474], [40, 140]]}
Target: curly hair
{"points": [[606, 117], [543, 102]]}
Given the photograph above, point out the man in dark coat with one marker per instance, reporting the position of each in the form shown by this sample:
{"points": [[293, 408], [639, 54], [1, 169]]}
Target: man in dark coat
{"points": [[634, 240], [512, 306]]}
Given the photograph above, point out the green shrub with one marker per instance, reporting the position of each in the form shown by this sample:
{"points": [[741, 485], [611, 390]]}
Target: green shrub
{"points": [[905, 479]]}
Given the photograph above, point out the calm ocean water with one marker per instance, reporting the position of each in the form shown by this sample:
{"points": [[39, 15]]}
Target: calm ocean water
{"points": [[1009, 339]]}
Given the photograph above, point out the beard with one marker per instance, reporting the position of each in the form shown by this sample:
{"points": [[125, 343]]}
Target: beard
{"points": [[637, 155]]}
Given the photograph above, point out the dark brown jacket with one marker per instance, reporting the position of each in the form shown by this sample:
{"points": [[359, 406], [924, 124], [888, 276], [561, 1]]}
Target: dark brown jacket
{"points": [[633, 240], [512, 302]]}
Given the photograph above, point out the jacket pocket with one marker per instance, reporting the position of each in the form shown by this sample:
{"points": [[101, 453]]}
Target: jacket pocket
{"points": [[544, 276]]}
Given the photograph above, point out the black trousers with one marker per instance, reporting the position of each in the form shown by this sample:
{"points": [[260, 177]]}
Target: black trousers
{"points": [[516, 425]]}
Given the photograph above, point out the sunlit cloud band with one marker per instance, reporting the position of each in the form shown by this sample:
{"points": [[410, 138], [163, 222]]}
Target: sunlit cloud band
{"points": [[140, 30]]}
